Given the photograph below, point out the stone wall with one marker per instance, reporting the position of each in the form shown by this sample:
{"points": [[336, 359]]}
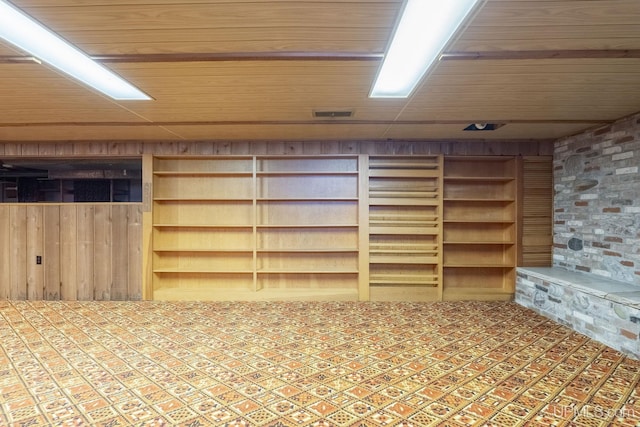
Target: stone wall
{"points": [[597, 201], [603, 309]]}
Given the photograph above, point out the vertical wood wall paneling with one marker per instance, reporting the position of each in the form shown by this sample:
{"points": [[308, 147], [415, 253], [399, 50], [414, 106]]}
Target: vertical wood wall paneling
{"points": [[146, 216], [135, 254], [537, 215], [52, 260], [363, 223], [440, 225], [120, 252], [102, 265], [5, 253], [66, 240], [18, 255], [68, 252], [85, 254], [35, 248], [257, 285]]}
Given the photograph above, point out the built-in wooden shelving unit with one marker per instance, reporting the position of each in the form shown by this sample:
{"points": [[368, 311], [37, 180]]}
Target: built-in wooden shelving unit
{"points": [[203, 226], [368, 227], [405, 223], [233, 227], [480, 232]]}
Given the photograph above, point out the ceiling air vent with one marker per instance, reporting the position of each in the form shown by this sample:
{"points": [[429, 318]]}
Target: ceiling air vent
{"points": [[343, 114]]}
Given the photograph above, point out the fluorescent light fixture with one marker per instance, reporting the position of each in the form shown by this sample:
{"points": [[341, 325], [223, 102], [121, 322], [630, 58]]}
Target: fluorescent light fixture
{"points": [[425, 28], [30, 36]]}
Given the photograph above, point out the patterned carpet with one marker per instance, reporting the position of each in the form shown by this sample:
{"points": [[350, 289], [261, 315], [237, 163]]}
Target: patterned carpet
{"points": [[305, 364]]}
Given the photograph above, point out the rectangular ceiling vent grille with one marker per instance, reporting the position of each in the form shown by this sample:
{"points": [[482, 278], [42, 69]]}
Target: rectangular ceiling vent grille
{"points": [[333, 114]]}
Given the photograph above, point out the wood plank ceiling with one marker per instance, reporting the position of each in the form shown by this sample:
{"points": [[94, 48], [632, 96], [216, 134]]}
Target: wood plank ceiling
{"points": [[257, 69]]}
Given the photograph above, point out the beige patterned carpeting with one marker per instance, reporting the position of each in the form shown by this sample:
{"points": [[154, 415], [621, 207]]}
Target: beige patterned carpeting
{"points": [[305, 364]]}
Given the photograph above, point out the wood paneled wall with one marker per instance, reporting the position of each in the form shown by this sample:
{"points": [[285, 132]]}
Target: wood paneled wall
{"points": [[95, 251], [87, 251], [465, 148], [536, 212]]}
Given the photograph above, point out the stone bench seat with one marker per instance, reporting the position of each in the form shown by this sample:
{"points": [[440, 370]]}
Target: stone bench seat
{"points": [[603, 309]]}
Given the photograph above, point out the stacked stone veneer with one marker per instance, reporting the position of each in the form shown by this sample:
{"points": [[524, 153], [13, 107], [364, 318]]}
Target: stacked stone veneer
{"points": [[594, 286], [597, 202], [603, 309]]}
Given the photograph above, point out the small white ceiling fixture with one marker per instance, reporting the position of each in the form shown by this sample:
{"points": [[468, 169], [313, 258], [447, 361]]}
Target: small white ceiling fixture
{"points": [[424, 30], [30, 36]]}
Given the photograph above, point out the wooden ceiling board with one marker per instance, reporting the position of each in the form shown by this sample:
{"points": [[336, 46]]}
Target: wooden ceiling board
{"points": [[67, 3], [273, 99], [186, 15], [274, 90], [251, 69], [220, 111], [550, 89], [85, 133], [512, 131], [282, 132], [542, 14], [554, 37], [230, 40], [574, 66], [548, 111]]}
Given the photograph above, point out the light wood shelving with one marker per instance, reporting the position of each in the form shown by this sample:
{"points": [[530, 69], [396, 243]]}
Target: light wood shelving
{"points": [[338, 227], [405, 223], [231, 227], [480, 227], [203, 225]]}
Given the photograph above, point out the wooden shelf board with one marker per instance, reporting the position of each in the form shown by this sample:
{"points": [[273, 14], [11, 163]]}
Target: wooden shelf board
{"points": [[307, 271], [403, 231], [402, 260], [400, 223], [203, 226], [402, 217], [179, 174], [202, 157], [479, 200], [204, 250], [414, 277], [190, 271], [304, 156], [240, 294], [403, 281], [402, 173], [386, 186], [307, 199], [374, 164], [307, 226], [472, 265], [201, 199], [309, 251], [403, 251], [401, 201], [306, 173], [494, 242], [479, 221], [401, 194], [476, 294], [480, 178]]}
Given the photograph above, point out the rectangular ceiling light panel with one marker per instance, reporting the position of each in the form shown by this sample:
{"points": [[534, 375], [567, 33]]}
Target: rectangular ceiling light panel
{"points": [[30, 36], [424, 30]]}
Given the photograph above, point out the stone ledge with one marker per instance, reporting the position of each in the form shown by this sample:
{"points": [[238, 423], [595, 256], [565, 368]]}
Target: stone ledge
{"points": [[612, 290], [603, 309]]}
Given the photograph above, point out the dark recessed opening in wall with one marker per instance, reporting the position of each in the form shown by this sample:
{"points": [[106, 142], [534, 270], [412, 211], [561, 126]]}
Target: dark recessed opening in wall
{"points": [[62, 180]]}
